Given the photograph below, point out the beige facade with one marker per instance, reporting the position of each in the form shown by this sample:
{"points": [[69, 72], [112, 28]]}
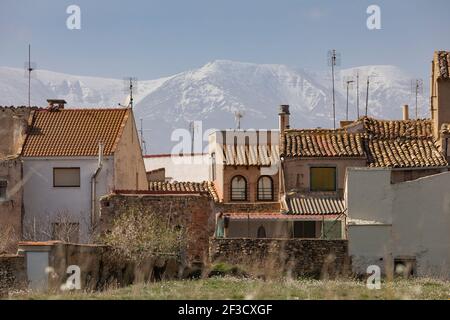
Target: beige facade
{"points": [[297, 171], [129, 168]]}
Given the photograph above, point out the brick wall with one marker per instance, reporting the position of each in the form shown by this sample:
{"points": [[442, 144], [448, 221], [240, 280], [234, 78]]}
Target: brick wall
{"points": [[248, 207], [12, 273], [192, 211], [301, 257]]}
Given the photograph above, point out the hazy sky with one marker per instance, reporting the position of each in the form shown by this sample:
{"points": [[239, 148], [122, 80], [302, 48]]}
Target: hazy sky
{"points": [[150, 39]]}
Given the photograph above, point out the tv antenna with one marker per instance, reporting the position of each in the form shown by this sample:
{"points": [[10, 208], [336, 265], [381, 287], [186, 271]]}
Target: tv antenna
{"points": [[367, 90], [334, 59], [193, 125], [417, 89], [130, 84], [238, 115], [348, 82], [141, 133], [29, 67], [357, 93]]}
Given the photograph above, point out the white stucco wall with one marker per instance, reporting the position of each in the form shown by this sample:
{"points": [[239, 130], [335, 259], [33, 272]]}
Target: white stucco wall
{"points": [[419, 214], [193, 168], [43, 202]]}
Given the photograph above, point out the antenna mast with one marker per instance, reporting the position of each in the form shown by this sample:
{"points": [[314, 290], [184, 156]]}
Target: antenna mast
{"points": [[333, 61], [417, 88], [238, 115], [141, 132], [367, 94], [29, 75], [131, 93], [357, 93]]}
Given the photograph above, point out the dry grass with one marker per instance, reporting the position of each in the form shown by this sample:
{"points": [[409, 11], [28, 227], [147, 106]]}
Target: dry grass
{"points": [[240, 288]]}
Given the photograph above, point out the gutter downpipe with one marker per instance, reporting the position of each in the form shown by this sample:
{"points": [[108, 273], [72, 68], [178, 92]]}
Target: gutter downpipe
{"points": [[94, 182]]}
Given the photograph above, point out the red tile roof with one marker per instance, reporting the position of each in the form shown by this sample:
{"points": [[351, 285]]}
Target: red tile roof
{"points": [[185, 186], [74, 132], [397, 144]]}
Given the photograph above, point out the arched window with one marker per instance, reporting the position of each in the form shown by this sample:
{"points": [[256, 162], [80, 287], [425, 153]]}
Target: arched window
{"points": [[238, 188], [265, 189], [261, 232]]}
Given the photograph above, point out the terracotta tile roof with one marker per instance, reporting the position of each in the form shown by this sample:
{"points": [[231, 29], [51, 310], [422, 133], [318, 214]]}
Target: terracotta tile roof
{"points": [[74, 132], [302, 204], [251, 155], [386, 129], [322, 143], [397, 144], [403, 153], [185, 186], [276, 216], [444, 64], [401, 144]]}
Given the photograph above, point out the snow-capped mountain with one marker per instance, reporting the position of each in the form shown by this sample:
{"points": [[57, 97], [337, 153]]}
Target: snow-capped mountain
{"points": [[213, 93]]}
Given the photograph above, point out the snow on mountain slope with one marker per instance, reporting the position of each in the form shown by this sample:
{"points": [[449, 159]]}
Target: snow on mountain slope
{"points": [[215, 91]]}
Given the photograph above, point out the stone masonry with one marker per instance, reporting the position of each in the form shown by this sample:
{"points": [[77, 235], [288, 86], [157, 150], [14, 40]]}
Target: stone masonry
{"points": [[301, 257]]}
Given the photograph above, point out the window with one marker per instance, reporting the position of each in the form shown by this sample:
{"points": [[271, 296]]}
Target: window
{"points": [[265, 188], [238, 188], [66, 231], [261, 232], [66, 177], [323, 179], [304, 229], [3, 185]]}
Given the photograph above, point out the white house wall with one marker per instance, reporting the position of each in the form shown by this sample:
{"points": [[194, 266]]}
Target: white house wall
{"points": [[186, 168], [418, 210], [43, 202]]}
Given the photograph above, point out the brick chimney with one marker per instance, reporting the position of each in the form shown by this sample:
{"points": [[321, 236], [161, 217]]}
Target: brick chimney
{"points": [[284, 117], [56, 104], [440, 91], [405, 112]]}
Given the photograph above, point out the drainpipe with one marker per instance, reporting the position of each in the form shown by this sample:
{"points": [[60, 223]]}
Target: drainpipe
{"points": [[94, 182]]}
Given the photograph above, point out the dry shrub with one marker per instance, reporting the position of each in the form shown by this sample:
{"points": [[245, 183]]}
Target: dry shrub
{"points": [[8, 239], [138, 235]]}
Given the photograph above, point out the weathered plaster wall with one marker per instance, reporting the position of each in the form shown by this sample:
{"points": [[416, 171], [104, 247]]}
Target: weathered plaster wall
{"points": [[194, 212], [11, 208], [418, 210], [13, 128], [195, 168], [297, 171], [43, 203], [129, 168], [301, 257]]}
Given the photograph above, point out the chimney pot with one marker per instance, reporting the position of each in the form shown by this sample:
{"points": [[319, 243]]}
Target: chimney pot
{"points": [[405, 112], [284, 117], [56, 104]]}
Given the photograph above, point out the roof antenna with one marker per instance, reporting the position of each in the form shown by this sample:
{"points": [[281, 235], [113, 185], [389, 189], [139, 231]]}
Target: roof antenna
{"points": [[417, 89], [29, 66], [238, 115], [141, 133], [334, 59], [129, 84]]}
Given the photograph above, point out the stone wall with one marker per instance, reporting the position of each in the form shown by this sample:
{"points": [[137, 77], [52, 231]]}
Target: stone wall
{"points": [[12, 273], [192, 211], [299, 256]]}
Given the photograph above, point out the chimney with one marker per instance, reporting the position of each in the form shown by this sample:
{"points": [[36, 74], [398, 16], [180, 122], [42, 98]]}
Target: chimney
{"points": [[284, 117], [56, 104], [405, 112]]}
